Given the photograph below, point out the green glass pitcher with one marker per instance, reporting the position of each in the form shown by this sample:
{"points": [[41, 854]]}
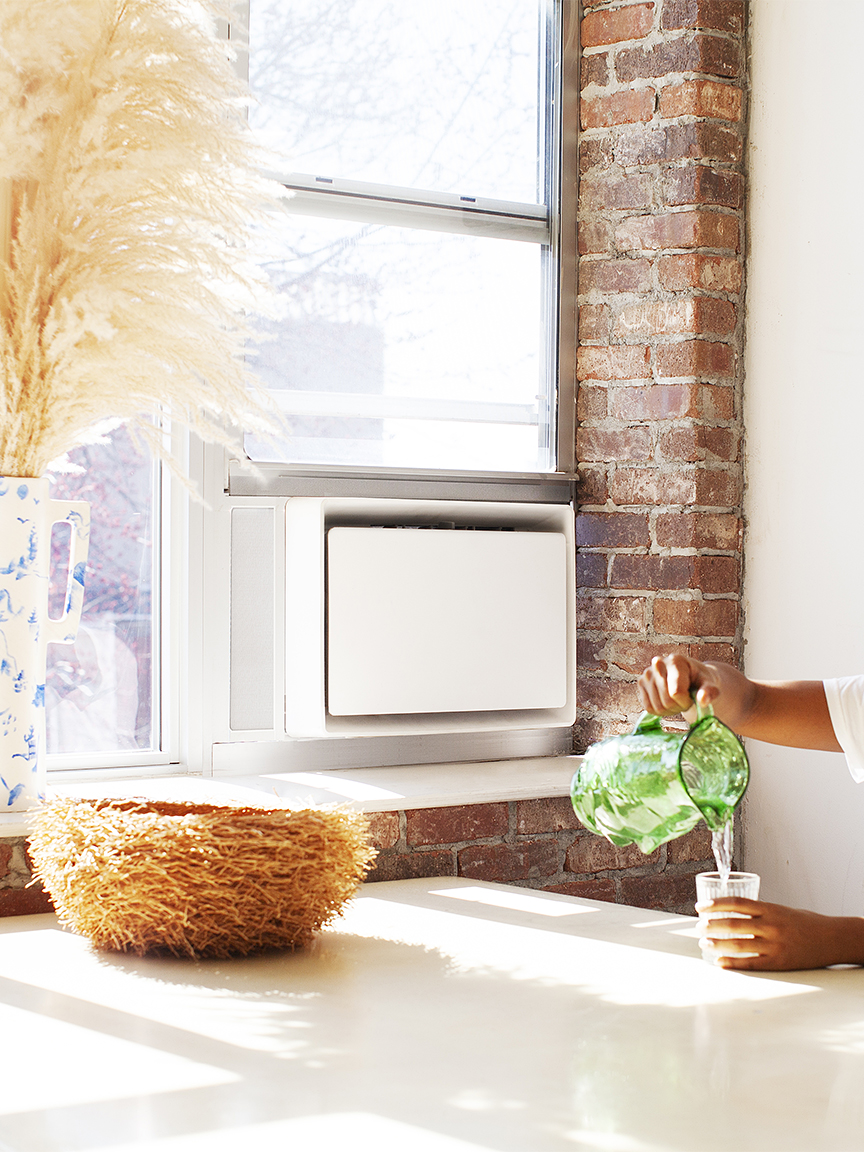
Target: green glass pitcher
{"points": [[652, 785]]}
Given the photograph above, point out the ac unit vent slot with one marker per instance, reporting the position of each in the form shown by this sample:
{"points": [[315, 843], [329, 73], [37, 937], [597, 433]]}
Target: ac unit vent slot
{"points": [[252, 619]]}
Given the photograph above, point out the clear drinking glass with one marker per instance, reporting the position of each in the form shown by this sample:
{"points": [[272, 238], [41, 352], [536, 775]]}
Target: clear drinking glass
{"points": [[710, 886]]}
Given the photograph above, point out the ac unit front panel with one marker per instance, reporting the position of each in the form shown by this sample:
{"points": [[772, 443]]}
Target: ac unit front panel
{"points": [[445, 621]]}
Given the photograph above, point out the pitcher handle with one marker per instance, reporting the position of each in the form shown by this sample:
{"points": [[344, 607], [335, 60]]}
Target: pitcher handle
{"points": [[75, 513], [648, 723]]}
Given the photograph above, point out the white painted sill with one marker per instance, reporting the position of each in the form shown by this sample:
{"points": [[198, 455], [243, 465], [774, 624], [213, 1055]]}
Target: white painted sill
{"points": [[365, 789]]}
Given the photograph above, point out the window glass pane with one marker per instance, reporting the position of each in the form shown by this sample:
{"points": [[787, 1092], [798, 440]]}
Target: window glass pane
{"points": [[100, 690], [442, 96], [405, 348]]}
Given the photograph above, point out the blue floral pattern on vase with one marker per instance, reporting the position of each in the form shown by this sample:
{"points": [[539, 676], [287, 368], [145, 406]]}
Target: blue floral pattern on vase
{"points": [[26, 519]]}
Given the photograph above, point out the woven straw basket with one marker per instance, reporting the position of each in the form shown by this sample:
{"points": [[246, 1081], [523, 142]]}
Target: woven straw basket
{"points": [[197, 879]]}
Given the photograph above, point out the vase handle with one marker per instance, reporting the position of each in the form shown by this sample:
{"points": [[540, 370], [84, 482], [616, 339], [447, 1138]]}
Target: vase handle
{"points": [[75, 513]]}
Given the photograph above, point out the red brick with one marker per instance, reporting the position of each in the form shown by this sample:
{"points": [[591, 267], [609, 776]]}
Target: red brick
{"points": [[612, 530], [717, 574], [696, 442], [592, 853], [721, 531], [712, 55], [611, 613], [653, 486], [600, 889], [383, 829], [703, 314], [633, 656], [657, 318], [701, 98], [411, 866], [717, 488], [628, 107], [24, 901], [696, 140], [591, 569], [552, 814], [701, 358], [595, 70], [595, 153], [618, 697], [613, 191], [589, 654], [704, 140], [591, 403], [630, 23], [699, 184], [623, 444], [591, 487], [455, 825], [711, 574], [695, 617], [594, 320], [719, 15], [655, 402], [687, 229], [595, 236], [525, 860], [695, 270], [718, 401], [661, 892], [718, 653], [618, 362], [652, 572], [696, 845], [629, 275]]}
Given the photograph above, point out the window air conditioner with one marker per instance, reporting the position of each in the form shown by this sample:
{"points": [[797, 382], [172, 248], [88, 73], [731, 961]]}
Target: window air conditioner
{"points": [[407, 617]]}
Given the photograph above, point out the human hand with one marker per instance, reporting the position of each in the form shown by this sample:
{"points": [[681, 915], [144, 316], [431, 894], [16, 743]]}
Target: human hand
{"points": [[779, 939], [668, 685]]}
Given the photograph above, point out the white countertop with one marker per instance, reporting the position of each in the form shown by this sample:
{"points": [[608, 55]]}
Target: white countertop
{"points": [[440, 1015]]}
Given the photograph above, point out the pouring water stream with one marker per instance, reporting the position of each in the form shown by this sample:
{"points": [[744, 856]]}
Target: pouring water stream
{"points": [[721, 845]]}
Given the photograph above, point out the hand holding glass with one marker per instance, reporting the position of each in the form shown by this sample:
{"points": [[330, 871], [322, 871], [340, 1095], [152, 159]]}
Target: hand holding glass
{"points": [[710, 886]]}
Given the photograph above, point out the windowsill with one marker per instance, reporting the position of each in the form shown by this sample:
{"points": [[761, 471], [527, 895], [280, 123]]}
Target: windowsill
{"points": [[364, 789]]}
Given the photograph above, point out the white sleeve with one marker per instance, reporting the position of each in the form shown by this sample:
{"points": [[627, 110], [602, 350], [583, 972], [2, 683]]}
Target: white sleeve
{"points": [[845, 698]]}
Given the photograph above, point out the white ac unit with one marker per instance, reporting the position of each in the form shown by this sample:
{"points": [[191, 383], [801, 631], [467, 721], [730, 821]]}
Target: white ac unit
{"points": [[406, 617]]}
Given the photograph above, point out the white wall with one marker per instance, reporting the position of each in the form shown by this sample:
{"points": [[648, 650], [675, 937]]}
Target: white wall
{"points": [[804, 415]]}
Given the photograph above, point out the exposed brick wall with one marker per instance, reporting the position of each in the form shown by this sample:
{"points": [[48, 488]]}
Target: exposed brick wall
{"points": [[537, 844], [19, 894], [661, 233]]}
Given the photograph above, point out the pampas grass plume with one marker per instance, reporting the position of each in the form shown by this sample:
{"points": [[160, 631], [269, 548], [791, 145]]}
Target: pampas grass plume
{"points": [[128, 190]]}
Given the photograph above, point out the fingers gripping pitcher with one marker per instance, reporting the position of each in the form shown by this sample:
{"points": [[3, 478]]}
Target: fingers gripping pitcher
{"points": [[652, 786]]}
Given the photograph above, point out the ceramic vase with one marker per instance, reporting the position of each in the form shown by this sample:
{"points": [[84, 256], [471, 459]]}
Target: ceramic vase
{"points": [[26, 518]]}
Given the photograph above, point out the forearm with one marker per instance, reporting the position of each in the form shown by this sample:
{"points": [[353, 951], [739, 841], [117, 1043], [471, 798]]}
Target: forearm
{"points": [[794, 714], [845, 939]]}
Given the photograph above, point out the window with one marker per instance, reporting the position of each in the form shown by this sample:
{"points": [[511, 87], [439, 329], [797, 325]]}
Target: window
{"points": [[104, 693], [416, 257]]}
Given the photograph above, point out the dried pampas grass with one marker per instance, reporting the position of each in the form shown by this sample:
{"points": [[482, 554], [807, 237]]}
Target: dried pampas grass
{"points": [[128, 183], [197, 880]]}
